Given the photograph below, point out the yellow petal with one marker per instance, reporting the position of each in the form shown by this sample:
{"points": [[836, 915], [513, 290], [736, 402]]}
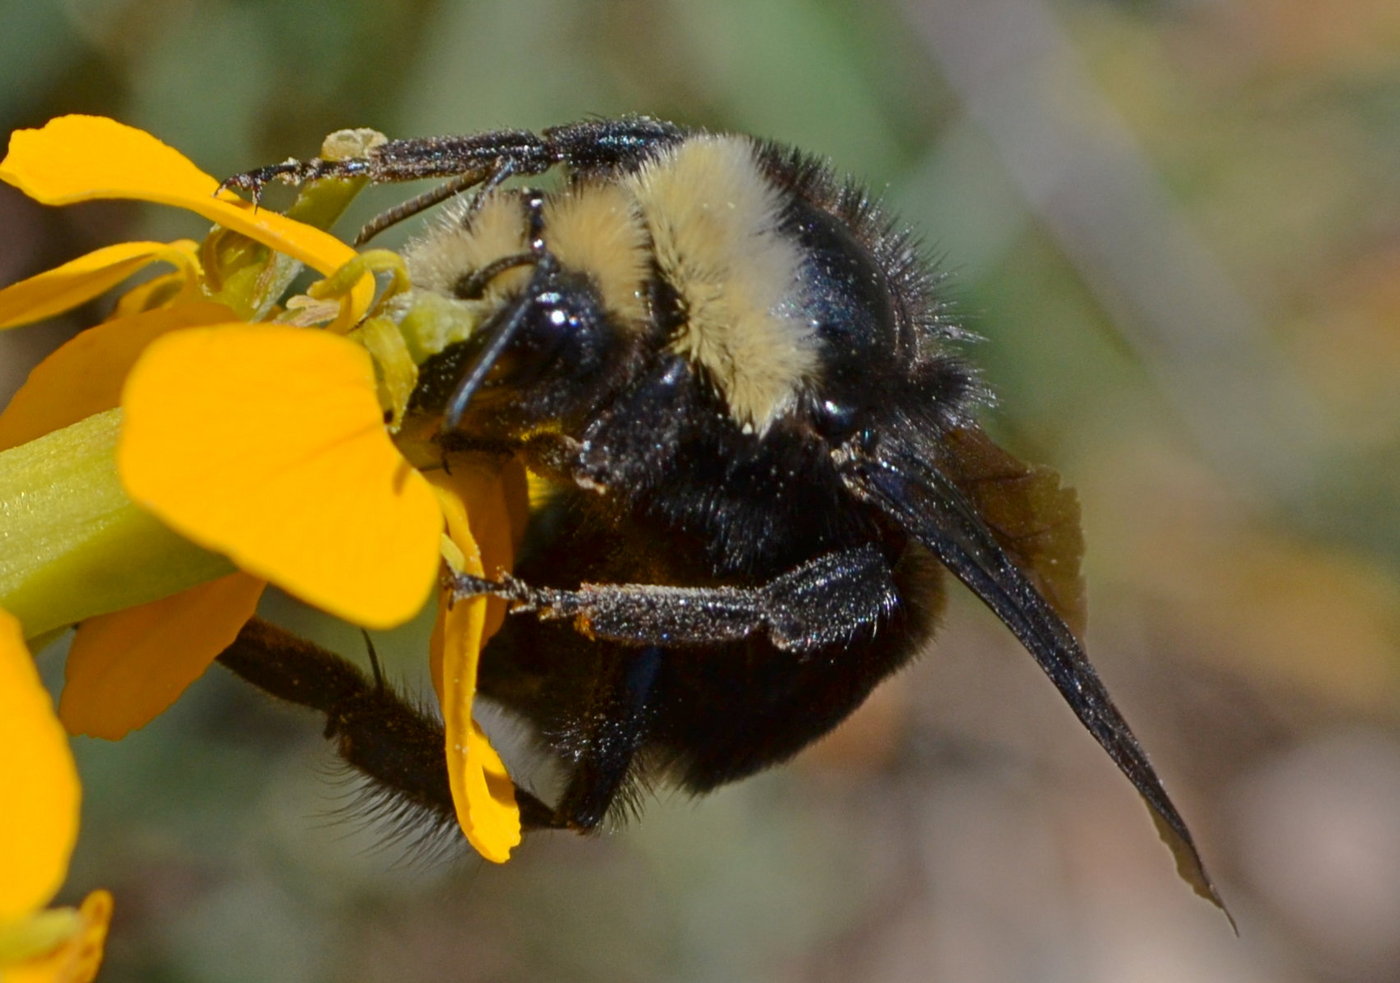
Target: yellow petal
{"points": [[481, 788], [267, 444], [85, 375], [126, 667], [80, 280], [495, 816], [165, 290], [460, 550], [38, 784], [78, 958], [81, 158]]}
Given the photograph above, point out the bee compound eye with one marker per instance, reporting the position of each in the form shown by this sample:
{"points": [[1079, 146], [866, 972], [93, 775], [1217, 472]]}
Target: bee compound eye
{"points": [[836, 420]]}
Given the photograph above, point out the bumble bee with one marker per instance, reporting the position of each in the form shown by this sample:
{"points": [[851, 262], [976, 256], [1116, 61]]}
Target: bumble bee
{"points": [[739, 378]]}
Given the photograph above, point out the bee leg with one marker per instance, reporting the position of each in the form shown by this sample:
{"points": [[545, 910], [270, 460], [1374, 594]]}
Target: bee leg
{"points": [[592, 147], [610, 146], [610, 733], [821, 602], [469, 160], [377, 732]]}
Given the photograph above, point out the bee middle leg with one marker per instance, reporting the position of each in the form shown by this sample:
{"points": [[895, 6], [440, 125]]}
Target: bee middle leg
{"points": [[599, 745], [824, 601]]}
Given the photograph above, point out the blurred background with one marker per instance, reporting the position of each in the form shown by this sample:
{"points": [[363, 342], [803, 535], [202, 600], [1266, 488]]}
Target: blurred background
{"points": [[1177, 225]]}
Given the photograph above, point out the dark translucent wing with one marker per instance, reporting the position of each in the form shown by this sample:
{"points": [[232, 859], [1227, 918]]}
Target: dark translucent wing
{"points": [[1032, 516], [934, 511]]}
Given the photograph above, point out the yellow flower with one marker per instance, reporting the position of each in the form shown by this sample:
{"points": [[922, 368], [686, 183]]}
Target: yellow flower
{"points": [[259, 445], [38, 826]]}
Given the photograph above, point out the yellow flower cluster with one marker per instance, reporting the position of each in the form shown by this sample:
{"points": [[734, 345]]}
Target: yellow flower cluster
{"points": [[161, 468], [38, 827]]}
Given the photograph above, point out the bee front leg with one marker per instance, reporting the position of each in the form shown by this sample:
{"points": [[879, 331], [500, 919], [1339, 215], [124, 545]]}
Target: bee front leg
{"points": [[590, 147]]}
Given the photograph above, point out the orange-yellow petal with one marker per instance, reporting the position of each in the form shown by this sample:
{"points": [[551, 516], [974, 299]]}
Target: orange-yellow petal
{"points": [[481, 788], [85, 375], [80, 280], [515, 490], [267, 444], [38, 784], [126, 667], [81, 158], [475, 497], [78, 958]]}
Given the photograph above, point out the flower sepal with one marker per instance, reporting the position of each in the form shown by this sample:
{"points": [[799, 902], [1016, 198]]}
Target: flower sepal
{"points": [[38, 934], [75, 543]]}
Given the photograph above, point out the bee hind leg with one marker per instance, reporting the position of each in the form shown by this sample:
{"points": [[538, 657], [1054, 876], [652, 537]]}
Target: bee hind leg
{"points": [[399, 747]]}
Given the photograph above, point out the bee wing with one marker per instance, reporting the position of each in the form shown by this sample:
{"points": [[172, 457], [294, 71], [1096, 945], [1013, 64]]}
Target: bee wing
{"points": [[932, 509]]}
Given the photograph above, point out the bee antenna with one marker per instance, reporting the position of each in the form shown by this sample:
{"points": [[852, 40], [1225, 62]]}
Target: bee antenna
{"points": [[499, 331]]}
